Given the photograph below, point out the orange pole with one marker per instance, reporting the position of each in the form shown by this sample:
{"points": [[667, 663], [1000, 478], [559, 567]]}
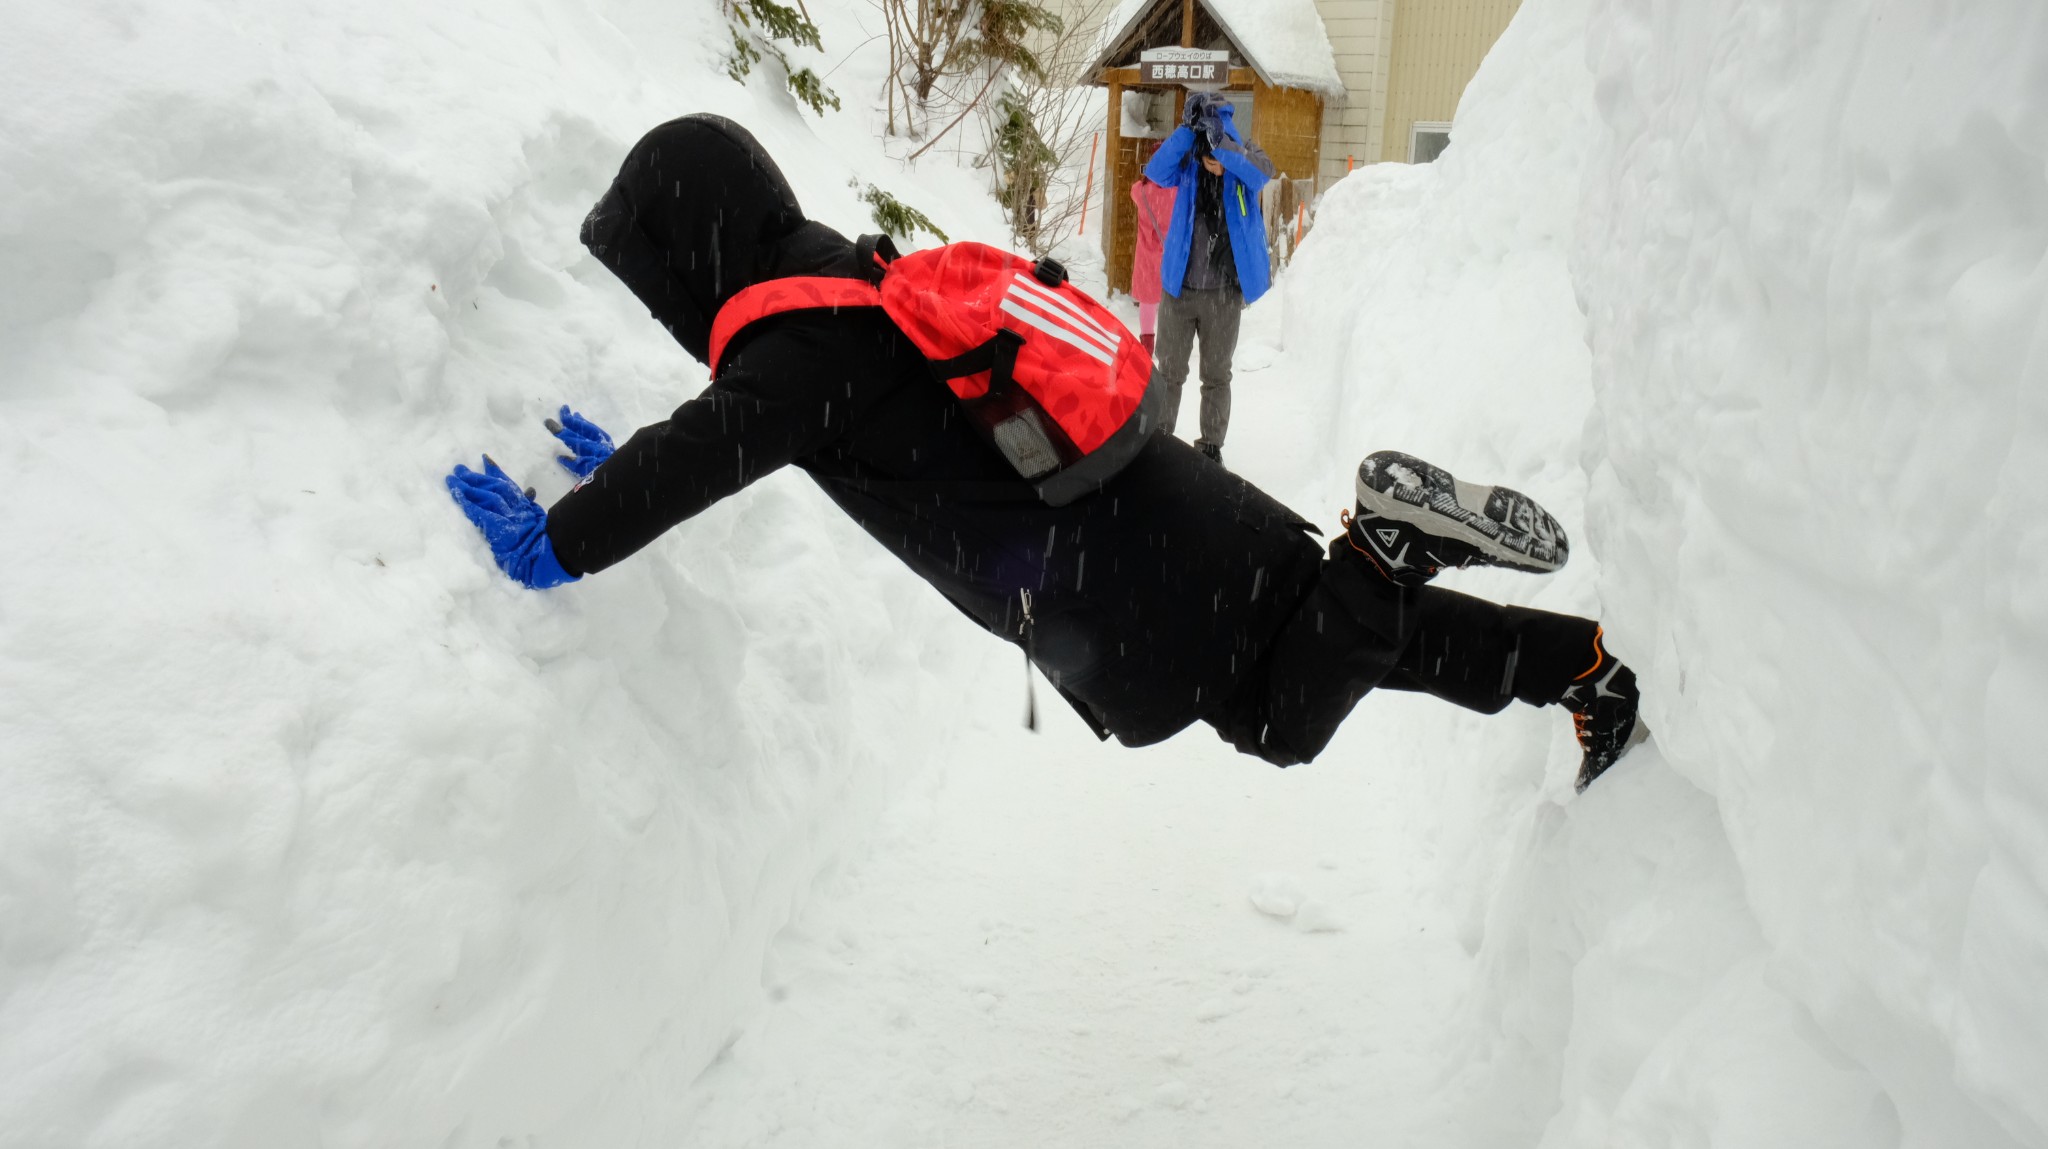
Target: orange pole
{"points": [[1090, 192], [1300, 218], [1349, 163]]}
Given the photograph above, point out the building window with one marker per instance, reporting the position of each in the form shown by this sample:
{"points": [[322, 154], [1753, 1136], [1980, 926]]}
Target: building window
{"points": [[1148, 113], [1427, 140]]}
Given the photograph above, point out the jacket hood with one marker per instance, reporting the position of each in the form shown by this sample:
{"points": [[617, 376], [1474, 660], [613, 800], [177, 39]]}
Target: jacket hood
{"points": [[698, 212]]}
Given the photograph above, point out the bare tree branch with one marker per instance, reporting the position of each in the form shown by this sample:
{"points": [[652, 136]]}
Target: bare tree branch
{"points": [[971, 105]]}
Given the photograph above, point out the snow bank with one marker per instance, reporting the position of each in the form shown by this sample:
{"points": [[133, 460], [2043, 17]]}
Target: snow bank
{"points": [[1809, 250], [1812, 258], [317, 830]]}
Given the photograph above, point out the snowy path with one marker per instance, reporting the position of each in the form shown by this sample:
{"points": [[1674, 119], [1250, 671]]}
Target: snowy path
{"points": [[1063, 944]]}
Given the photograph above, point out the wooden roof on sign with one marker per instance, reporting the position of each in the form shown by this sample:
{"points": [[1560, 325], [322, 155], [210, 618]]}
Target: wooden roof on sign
{"points": [[1159, 24]]}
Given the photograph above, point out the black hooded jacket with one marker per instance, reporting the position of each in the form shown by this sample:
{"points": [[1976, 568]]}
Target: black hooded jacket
{"points": [[1150, 600]]}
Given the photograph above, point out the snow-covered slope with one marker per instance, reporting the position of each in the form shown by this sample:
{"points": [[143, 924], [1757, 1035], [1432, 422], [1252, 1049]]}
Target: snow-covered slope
{"points": [[1809, 248], [1812, 258], [317, 830]]}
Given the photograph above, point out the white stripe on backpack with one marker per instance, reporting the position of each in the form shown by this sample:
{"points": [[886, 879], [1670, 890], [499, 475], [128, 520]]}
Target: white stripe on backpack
{"points": [[1053, 329], [1047, 300]]}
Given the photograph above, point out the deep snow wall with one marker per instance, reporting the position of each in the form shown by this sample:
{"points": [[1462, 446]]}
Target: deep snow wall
{"points": [[1753, 296], [316, 829], [1811, 254]]}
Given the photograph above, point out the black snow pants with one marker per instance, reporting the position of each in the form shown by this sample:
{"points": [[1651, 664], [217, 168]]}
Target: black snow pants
{"points": [[1357, 631]]}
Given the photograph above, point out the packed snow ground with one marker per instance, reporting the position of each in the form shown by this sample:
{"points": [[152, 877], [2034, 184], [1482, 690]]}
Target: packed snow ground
{"points": [[318, 831]]}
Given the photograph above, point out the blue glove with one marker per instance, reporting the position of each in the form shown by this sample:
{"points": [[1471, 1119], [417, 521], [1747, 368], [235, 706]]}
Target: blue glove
{"points": [[512, 522], [589, 442]]}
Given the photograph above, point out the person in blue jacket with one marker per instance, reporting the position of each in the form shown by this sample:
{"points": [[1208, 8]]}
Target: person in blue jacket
{"points": [[1214, 260]]}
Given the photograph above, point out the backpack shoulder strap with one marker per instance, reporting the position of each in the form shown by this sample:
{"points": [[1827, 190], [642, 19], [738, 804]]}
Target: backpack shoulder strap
{"points": [[777, 296], [872, 254]]}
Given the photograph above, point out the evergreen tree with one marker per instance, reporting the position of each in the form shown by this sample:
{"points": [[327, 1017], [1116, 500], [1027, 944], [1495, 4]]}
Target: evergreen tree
{"points": [[757, 26]]}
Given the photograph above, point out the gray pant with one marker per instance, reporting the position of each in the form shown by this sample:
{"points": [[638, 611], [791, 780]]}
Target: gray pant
{"points": [[1213, 315]]}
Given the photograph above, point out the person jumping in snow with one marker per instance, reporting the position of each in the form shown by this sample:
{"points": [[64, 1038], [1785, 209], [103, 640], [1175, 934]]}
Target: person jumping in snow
{"points": [[1165, 592]]}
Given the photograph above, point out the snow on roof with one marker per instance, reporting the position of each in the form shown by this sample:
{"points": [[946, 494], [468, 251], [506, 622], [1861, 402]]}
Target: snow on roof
{"points": [[1283, 40]]}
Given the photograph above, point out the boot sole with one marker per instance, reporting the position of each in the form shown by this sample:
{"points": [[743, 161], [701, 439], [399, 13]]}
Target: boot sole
{"points": [[1509, 529]]}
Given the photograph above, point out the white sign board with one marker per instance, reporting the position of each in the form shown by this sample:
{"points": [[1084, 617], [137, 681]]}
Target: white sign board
{"points": [[1190, 67]]}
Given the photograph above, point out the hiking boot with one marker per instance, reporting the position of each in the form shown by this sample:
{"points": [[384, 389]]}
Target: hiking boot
{"points": [[1213, 450], [1398, 551], [1414, 519], [1603, 702]]}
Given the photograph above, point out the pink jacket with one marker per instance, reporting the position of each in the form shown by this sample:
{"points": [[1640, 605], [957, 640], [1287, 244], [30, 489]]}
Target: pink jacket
{"points": [[1155, 214]]}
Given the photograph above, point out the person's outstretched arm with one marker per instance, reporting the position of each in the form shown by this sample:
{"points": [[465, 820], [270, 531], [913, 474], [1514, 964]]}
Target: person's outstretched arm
{"points": [[750, 422]]}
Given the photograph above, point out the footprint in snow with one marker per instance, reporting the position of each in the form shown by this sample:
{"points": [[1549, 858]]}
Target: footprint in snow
{"points": [[1280, 896]]}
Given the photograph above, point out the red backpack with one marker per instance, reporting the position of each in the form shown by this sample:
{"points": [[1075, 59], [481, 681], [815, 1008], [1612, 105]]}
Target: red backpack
{"points": [[1045, 372]]}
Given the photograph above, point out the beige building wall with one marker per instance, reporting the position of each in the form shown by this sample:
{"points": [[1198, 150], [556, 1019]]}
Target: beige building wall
{"points": [[1360, 34], [1437, 46]]}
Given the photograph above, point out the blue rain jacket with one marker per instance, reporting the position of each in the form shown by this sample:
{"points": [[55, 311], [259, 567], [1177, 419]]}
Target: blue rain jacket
{"points": [[1174, 165]]}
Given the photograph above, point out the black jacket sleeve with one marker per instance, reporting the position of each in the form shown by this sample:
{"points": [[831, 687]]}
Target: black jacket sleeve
{"points": [[750, 422]]}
